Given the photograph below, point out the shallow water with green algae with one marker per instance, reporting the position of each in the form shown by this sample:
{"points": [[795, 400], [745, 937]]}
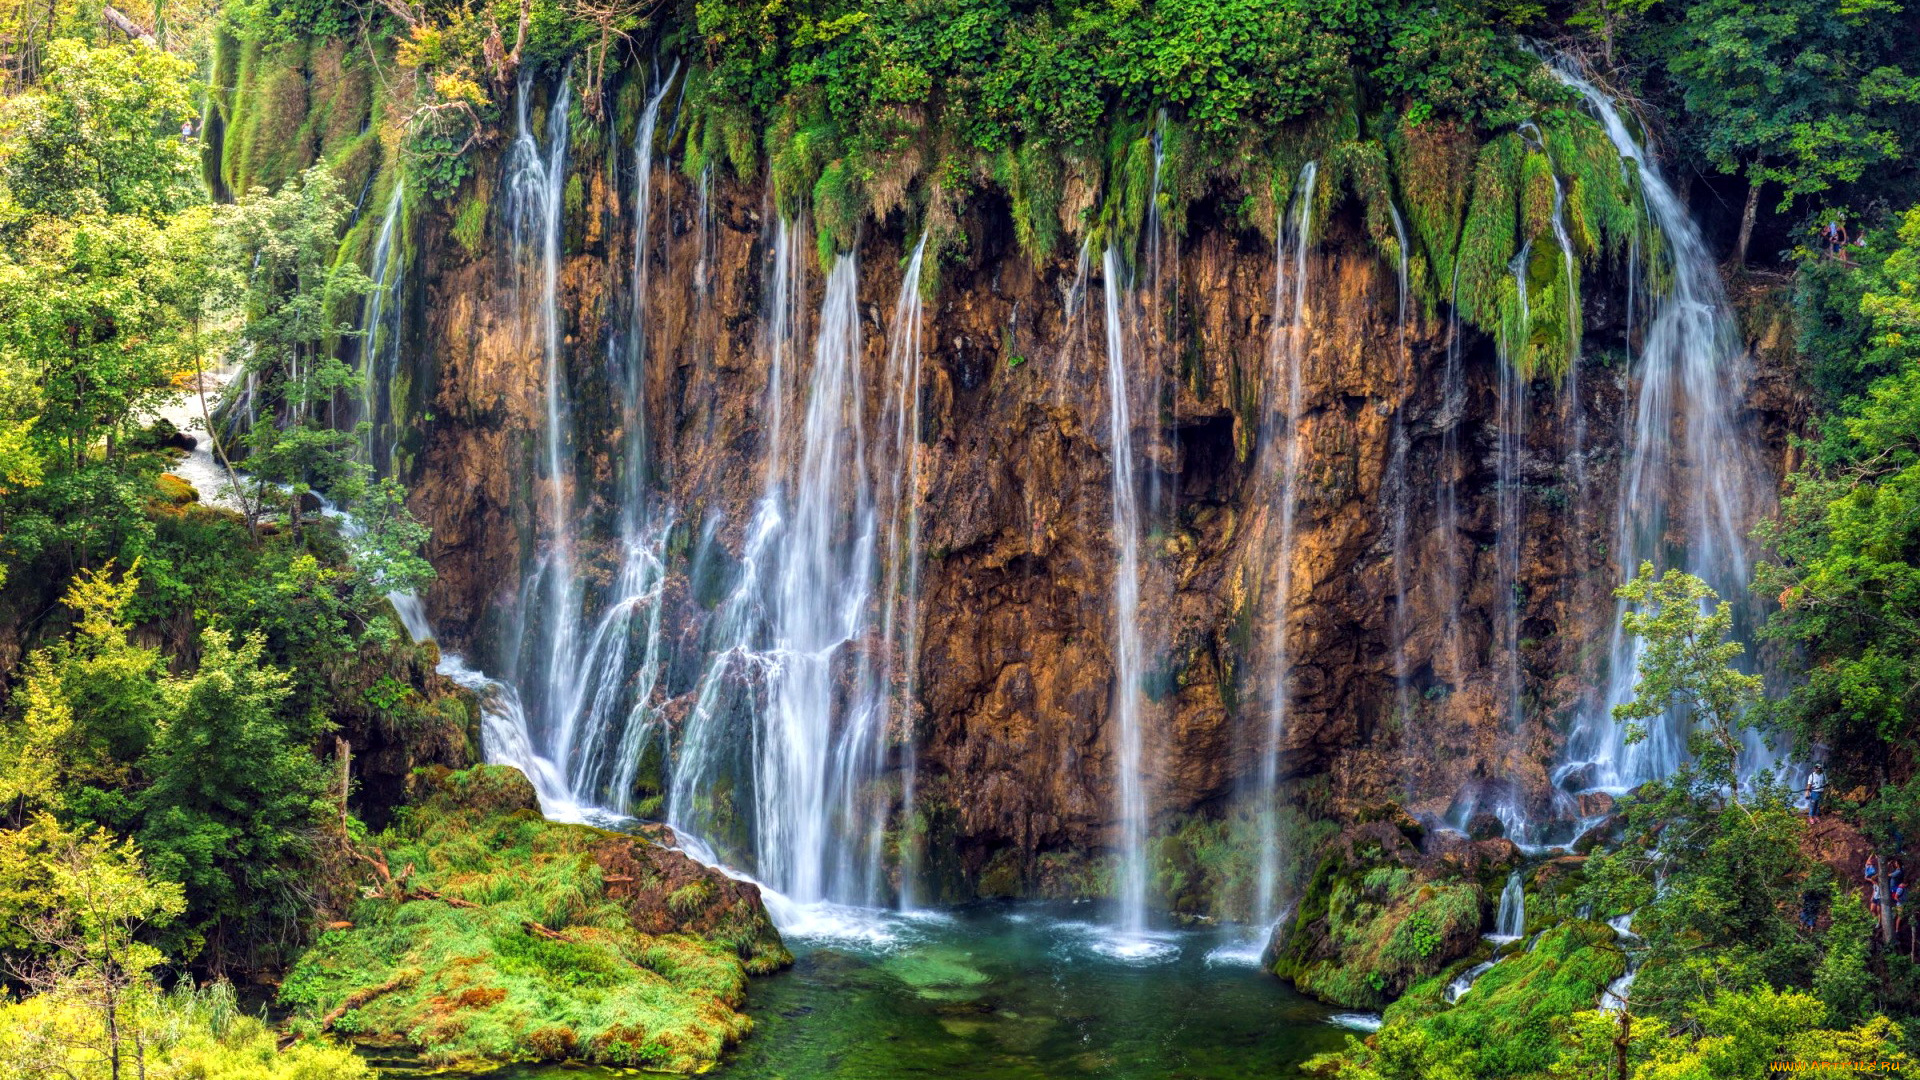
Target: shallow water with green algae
{"points": [[1013, 992]]}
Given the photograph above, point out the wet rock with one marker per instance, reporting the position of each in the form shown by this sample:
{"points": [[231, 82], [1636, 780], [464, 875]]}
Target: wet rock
{"points": [[1594, 804], [1484, 825]]}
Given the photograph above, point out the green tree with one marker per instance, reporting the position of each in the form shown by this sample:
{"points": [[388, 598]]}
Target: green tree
{"points": [[1846, 542], [234, 795], [92, 952], [1797, 93], [1687, 665], [88, 707], [299, 302], [99, 136], [1843, 982]]}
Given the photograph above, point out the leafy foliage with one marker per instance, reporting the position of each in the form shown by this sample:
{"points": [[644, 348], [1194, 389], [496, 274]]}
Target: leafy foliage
{"points": [[1847, 539]]}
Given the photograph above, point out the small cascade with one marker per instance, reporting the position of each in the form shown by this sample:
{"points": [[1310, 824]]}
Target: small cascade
{"points": [[1463, 982], [1401, 484], [1510, 923], [380, 324], [1619, 992], [1128, 663], [900, 554], [1682, 436], [1286, 354]]}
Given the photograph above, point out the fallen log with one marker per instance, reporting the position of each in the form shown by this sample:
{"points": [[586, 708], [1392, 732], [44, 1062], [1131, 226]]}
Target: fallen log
{"points": [[361, 997]]}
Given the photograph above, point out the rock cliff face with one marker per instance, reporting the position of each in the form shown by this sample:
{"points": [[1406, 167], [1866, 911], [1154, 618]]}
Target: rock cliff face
{"points": [[1397, 684]]}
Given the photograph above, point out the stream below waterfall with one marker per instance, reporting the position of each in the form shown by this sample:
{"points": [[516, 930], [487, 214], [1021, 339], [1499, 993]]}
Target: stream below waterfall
{"points": [[1012, 991]]}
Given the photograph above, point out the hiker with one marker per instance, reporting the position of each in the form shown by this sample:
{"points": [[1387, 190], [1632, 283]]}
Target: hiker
{"points": [[1832, 234], [1816, 788], [1810, 908], [1872, 868], [1898, 897]]}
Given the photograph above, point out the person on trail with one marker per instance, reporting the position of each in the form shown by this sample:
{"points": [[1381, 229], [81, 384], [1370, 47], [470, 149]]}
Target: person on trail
{"points": [[1897, 893], [1810, 908], [1816, 788], [1872, 868], [1832, 232]]}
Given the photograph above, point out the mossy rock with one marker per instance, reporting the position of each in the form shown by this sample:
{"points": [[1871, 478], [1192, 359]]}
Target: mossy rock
{"points": [[1373, 922], [512, 938], [1508, 1018], [173, 490]]}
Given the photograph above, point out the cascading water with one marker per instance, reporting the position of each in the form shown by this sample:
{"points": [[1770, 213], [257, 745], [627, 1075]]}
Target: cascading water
{"points": [[1682, 435], [380, 344], [798, 705], [1400, 483], [900, 623], [1286, 353], [1508, 493], [545, 660], [1129, 784], [1511, 921]]}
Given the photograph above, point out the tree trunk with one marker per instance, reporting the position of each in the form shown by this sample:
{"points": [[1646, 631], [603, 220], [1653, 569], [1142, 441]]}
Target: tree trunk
{"points": [[1886, 906], [126, 26], [1622, 1039], [344, 751], [1746, 221]]}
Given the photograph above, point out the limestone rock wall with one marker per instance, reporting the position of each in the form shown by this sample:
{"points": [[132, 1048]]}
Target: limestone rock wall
{"points": [[1014, 674]]}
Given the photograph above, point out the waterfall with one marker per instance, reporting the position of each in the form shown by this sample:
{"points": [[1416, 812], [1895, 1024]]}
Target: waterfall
{"points": [[819, 599], [548, 607], [1128, 664], [1450, 569], [572, 692], [1286, 354], [613, 707], [634, 404], [1511, 922], [1682, 436], [1399, 481], [1463, 982], [380, 345], [796, 711], [900, 626], [710, 752]]}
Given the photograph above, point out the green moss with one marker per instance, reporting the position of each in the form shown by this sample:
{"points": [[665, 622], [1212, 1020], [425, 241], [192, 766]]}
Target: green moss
{"points": [[1434, 164], [264, 143], [1508, 1017], [837, 209], [470, 223], [1362, 935], [537, 959]]}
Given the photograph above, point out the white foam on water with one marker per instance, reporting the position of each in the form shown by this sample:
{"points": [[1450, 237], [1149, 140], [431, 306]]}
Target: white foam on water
{"points": [[839, 924], [1237, 954], [1127, 947], [1368, 1022]]}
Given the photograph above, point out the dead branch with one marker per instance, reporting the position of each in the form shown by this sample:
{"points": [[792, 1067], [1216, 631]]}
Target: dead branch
{"points": [[361, 997]]}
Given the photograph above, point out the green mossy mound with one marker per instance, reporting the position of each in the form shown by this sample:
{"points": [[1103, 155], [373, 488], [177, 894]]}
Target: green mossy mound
{"points": [[1373, 923], [1506, 1019], [519, 939]]}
